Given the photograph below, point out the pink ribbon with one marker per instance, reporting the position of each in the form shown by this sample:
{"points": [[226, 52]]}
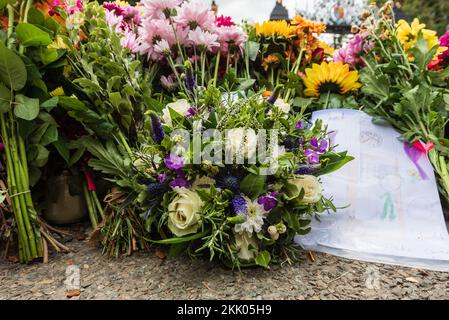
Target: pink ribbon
{"points": [[414, 153]]}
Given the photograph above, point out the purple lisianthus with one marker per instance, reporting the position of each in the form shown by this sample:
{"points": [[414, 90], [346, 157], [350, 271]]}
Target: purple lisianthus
{"points": [[239, 205], [162, 178], [269, 202], [179, 182], [322, 148], [312, 156], [314, 142], [299, 125], [174, 162]]}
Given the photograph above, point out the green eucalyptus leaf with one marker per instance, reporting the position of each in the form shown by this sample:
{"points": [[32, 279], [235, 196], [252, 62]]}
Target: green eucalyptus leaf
{"points": [[12, 69], [26, 108], [30, 35]]}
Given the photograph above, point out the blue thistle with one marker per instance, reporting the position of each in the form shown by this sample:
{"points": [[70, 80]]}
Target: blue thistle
{"points": [[239, 205]]}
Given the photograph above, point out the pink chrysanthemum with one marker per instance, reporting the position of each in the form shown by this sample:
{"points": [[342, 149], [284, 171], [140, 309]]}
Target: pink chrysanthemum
{"points": [[201, 38], [196, 14], [159, 9], [231, 37], [130, 41], [151, 32]]}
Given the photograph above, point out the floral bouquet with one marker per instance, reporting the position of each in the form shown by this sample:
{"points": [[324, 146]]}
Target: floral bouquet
{"points": [[237, 178]]}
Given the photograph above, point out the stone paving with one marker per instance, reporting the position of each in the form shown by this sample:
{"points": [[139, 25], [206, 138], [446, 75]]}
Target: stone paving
{"points": [[146, 276]]}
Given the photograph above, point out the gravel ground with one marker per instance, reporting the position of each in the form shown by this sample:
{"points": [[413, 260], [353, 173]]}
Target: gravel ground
{"points": [[145, 276]]}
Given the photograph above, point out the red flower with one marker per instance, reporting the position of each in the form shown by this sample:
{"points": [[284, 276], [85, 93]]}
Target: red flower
{"points": [[224, 21]]}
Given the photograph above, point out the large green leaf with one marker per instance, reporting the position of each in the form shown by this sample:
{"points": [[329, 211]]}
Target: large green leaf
{"points": [[26, 108], [253, 185], [5, 99], [30, 35], [12, 69]]}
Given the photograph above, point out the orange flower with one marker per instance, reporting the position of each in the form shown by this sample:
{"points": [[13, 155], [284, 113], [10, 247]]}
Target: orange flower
{"points": [[267, 93], [270, 60], [304, 26]]}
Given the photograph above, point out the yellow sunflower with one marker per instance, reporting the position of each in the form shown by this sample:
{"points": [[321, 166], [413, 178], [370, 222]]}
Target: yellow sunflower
{"points": [[408, 35], [275, 29], [333, 77], [327, 48]]}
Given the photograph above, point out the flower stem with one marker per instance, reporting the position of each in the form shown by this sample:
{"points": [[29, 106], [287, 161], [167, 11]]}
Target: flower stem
{"points": [[217, 64]]}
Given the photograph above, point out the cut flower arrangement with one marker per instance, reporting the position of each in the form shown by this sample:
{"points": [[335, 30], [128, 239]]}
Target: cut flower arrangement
{"points": [[197, 129]]}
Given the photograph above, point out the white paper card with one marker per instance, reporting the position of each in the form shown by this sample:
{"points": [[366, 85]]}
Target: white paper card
{"points": [[395, 215]]}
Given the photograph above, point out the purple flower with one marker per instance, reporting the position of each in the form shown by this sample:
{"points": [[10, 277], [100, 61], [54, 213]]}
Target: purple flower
{"points": [[174, 162], [2, 147], [312, 156], [179, 182], [269, 202], [239, 205], [162, 177], [191, 112], [322, 148], [299, 125], [354, 50], [190, 80], [156, 128], [314, 142]]}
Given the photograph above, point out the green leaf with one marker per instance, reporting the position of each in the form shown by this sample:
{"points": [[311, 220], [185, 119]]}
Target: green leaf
{"points": [[246, 84], [253, 185], [5, 99], [50, 135], [12, 69], [26, 108], [76, 156], [253, 50], [263, 259], [336, 161], [50, 103], [38, 155], [35, 16], [180, 240], [30, 35], [61, 147]]}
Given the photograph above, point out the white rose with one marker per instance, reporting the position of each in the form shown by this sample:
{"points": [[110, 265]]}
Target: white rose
{"points": [[311, 186], [183, 212], [181, 106], [246, 245], [283, 106], [240, 140]]}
